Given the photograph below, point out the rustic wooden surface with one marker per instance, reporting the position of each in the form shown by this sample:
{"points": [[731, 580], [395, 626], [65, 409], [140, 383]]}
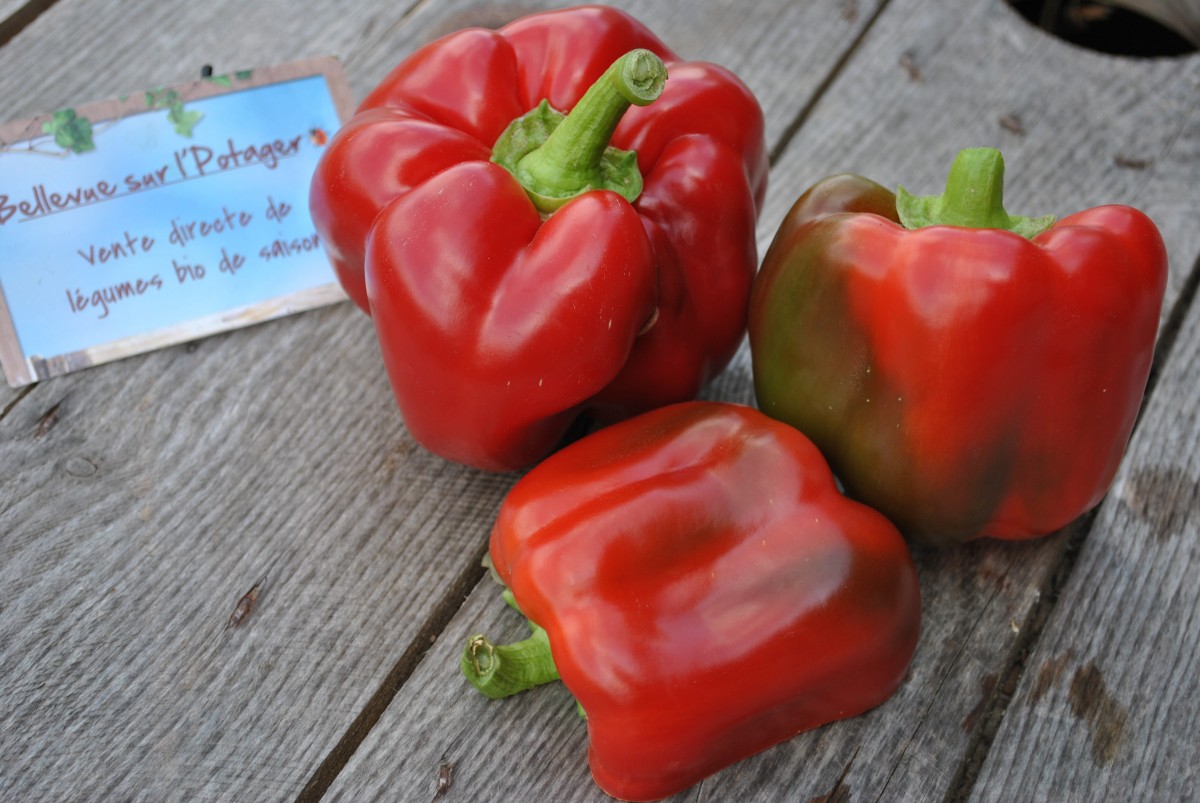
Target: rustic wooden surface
{"points": [[141, 500]]}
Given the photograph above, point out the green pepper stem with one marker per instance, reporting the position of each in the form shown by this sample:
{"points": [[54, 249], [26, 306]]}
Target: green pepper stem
{"points": [[570, 158], [974, 198], [504, 670], [557, 158]]}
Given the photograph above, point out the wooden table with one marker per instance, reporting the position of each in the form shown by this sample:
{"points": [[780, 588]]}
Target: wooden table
{"points": [[142, 499]]}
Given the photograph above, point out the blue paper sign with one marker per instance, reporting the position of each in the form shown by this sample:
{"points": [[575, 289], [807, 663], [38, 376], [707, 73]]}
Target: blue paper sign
{"points": [[154, 219]]}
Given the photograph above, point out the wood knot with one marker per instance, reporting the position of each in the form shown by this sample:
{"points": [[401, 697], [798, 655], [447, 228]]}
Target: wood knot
{"points": [[81, 467]]}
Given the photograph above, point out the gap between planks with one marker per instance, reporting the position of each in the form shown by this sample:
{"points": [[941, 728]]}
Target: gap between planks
{"points": [[21, 19], [369, 43], [1002, 693], [434, 626], [793, 128], [16, 399]]}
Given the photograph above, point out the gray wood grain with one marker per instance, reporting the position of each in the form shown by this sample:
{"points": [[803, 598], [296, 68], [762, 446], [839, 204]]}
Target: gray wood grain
{"points": [[163, 492], [1109, 708], [10, 8], [783, 51]]}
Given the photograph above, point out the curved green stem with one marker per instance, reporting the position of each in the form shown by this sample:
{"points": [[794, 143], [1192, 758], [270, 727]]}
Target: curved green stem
{"points": [[557, 157], [570, 158], [507, 669], [974, 197]]}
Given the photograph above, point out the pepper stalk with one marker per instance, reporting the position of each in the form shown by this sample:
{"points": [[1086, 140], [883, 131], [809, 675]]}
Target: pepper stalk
{"points": [[558, 157], [974, 197], [504, 670]]}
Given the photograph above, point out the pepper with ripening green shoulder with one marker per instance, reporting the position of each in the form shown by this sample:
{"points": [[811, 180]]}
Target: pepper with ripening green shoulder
{"points": [[966, 372]]}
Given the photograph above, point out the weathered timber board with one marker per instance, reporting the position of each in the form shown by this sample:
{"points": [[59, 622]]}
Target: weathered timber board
{"points": [[142, 499], [129, 540], [1071, 124], [1109, 708]]}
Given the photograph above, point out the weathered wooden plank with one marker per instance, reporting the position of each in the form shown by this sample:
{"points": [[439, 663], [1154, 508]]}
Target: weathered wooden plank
{"points": [[1079, 129], [1109, 707], [73, 53], [160, 495], [11, 8]]}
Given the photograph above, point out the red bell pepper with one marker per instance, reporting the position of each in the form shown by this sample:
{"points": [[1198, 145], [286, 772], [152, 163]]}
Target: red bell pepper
{"points": [[520, 272], [965, 372], [701, 586]]}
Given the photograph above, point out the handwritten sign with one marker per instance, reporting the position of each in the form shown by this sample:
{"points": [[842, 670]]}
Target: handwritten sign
{"points": [[157, 218]]}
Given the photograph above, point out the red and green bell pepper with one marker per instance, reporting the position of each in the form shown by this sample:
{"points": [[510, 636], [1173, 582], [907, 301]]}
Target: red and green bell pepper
{"points": [[965, 372], [523, 269], [702, 588]]}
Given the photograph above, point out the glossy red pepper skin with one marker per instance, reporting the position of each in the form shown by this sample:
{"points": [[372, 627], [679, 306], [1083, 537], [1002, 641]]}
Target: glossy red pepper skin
{"points": [[965, 382], [497, 333], [706, 590]]}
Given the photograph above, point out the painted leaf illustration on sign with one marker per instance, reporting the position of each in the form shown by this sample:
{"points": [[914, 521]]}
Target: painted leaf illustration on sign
{"points": [[70, 131], [182, 120], [226, 80]]}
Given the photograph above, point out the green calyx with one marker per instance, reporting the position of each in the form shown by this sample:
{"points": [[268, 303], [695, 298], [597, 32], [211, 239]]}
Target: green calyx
{"points": [[558, 157], [974, 197]]}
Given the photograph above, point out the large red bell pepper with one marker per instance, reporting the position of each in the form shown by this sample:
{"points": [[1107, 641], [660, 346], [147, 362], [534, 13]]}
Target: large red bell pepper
{"points": [[704, 590], [965, 372], [520, 273]]}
